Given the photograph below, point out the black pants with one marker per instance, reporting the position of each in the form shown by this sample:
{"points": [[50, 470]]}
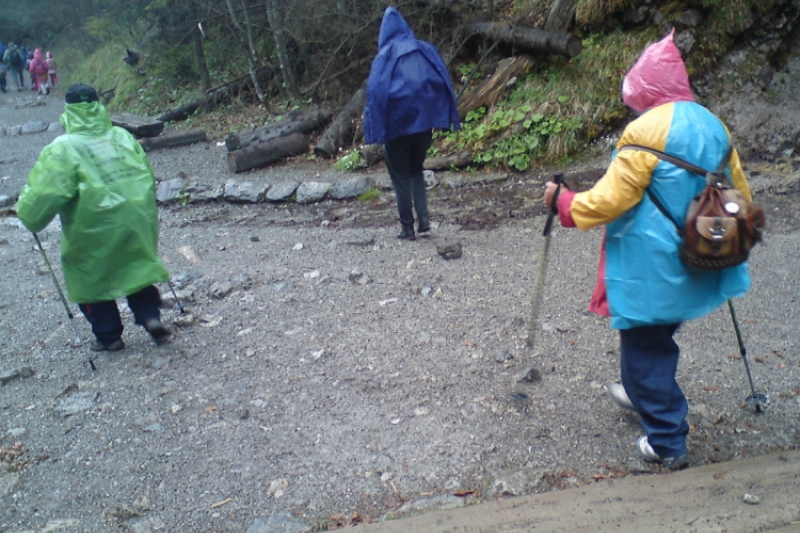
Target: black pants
{"points": [[104, 316], [404, 158]]}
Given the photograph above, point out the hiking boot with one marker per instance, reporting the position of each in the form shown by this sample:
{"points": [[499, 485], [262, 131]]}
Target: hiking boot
{"points": [[620, 397], [646, 452], [424, 225], [157, 330], [407, 234], [98, 346]]}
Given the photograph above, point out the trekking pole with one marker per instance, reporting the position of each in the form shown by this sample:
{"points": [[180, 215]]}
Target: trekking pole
{"points": [[63, 300], [755, 400], [538, 289], [177, 302]]}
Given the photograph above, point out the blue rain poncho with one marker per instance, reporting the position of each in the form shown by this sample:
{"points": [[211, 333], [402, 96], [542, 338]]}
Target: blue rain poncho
{"points": [[409, 90], [98, 179]]}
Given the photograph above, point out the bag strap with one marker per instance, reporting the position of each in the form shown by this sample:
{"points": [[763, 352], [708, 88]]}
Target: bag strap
{"points": [[712, 178]]}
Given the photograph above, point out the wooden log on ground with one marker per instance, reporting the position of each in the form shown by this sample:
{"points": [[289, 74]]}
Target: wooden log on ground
{"points": [[343, 126], [450, 161], [214, 97], [490, 91], [177, 138], [529, 39], [138, 125], [267, 152], [371, 154], [303, 120]]}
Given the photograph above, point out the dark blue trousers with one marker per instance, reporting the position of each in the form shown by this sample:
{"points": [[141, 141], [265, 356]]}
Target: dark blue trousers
{"points": [[404, 158], [104, 316], [649, 363]]}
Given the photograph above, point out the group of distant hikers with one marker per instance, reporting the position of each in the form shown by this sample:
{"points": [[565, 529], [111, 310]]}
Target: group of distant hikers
{"points": [[42, 69]]}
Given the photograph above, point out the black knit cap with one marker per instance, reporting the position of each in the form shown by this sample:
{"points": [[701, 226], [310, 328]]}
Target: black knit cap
{"points": [[80, 93]]}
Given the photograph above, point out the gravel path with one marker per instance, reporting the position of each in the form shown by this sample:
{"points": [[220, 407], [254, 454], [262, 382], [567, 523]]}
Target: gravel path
{"points": [[329, 374]]}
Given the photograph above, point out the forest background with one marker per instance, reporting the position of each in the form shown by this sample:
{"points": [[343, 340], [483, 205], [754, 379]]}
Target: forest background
{"points": [[148, 56]]}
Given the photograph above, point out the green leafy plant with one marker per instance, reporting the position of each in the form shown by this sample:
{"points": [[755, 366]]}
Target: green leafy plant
{"points": [[369, 195], [350, 161]]}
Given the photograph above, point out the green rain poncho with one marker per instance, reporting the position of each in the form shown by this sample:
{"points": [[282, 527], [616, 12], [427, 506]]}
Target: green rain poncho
{"points": [[100, 182]]}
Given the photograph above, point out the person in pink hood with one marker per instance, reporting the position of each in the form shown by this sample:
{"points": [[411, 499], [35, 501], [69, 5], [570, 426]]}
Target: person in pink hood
{"points": [[38, 69], [641, 282]]}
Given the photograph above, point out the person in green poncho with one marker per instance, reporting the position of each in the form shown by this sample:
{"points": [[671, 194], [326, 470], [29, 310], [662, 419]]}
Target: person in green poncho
{"points": [[99, 181]]}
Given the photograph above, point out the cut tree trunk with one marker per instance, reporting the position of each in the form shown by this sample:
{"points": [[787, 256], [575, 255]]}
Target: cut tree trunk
{"points": [[138, 125], [303, 120], [371, 154], [178, 138], [529, 39], [450, 161], [490, 91], [341, 129], [265, 153], [215, 97]]}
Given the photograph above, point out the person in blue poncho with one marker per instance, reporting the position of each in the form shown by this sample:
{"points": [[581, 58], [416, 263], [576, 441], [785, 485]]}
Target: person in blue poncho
{"points": [[409, 94]]}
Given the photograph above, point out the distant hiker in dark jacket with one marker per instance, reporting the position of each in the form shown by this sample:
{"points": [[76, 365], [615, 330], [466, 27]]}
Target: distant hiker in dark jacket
{"points": [[409, 93], [13, 58]]}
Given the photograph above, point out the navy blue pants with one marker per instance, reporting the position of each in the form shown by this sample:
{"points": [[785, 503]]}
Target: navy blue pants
{"points": [[649, 363], [404, 158], [104, 316]]}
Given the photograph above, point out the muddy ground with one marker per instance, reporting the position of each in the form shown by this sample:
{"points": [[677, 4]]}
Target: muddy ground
{"points": [[323, 373]]}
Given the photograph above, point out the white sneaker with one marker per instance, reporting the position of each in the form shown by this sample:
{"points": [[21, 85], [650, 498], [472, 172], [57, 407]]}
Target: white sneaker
{"points": [[647, 453], [620, 397]]}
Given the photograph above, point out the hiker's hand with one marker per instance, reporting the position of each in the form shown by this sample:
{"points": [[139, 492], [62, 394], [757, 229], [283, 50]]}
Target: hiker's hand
{"points": [[550, 189]]}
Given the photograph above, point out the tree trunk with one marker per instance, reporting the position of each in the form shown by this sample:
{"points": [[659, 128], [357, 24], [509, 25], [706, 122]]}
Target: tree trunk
{"points": [[300, 121], [343, 126], [262, 154], [529, 39], [200, 57], [137, 125], [561, 15], [178, 138], [490, 91], [214, 97], [446, 162], [276, 24], [250, 52]]}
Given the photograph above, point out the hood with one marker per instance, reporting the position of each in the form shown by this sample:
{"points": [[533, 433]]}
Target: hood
{"points": [[393, 28], [86, 118], [37, 54], [658, 77]]}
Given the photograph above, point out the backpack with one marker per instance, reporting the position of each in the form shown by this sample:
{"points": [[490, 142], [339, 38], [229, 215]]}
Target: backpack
{"points": [[14, 58], [720, 226]]}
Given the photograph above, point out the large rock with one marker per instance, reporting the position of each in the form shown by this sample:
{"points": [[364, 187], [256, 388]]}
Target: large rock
{"points": [[350, 187], [170, 189], [282, 191], [37, 126], [312, 191], [245, 193]]}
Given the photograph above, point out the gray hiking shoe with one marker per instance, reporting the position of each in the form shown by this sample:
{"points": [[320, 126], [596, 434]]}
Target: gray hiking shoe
{"points": [[157, 330], [646, 452], [98, 346], [620, 397]]}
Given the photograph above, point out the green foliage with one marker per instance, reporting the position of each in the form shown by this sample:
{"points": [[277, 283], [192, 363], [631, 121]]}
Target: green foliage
{"points": [[350, 161], [369, 195]]}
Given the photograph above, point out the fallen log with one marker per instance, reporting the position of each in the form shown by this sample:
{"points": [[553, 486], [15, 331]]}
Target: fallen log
{"points": [[138, 125], [303, 120], [177, 138], [264, 153], [490, 91], [446, 162], [214, 97], [343, 126], [529, 39]]}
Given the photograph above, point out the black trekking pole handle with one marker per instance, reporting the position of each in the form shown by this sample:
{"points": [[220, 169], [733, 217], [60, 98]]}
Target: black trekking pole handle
{"points": [[558, 179]]}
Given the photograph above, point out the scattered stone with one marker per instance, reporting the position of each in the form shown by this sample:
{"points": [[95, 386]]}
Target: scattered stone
{"points": [[17, 373], [254, 238], [297, 247], [36, 126], [430, 179], [751, 499], [449, 250], [121, 513], [366, 241], [77, 403], [55, 127], [277, 488], [517, 483], [13, 131], [350, 188], [169, 190], [356, 276], [6, 201], [282, 191], [220, 290], [312, 191]]}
